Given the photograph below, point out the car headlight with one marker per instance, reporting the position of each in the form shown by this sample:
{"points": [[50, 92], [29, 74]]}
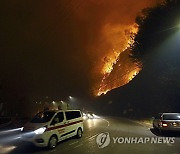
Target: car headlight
{"points": [[40, 130], [22, 128]]}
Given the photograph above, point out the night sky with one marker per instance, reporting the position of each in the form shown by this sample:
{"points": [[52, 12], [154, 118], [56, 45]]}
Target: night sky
{"points": [[42, 52]]}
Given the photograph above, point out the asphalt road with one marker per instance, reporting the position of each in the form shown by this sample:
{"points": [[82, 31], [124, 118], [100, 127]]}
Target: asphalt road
{"points": [[117, 128]]}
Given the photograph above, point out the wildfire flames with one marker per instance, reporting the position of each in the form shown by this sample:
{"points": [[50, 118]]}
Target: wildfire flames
{"points": [[112, 59]]}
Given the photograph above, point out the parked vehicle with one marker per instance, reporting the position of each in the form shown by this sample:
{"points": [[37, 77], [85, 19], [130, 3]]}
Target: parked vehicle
{"points": [[167, 122], [49, 127]]}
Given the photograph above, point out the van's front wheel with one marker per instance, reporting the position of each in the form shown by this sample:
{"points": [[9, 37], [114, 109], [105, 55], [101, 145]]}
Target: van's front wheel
{"points": [[52, 142], [79, 133]]}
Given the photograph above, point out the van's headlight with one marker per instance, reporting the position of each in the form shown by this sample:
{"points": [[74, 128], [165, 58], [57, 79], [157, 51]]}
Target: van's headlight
{"points": [[21, 129], [40, 130]]}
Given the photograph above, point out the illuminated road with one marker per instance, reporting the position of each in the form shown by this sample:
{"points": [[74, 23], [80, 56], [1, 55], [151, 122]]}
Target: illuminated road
{"points": [[116, 127]]}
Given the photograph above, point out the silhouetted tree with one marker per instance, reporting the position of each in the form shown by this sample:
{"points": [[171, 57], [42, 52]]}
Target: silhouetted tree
{"points": [[153, 26]]}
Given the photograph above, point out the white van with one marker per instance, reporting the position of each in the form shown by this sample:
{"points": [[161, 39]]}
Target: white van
{"points": [[49, 127]]}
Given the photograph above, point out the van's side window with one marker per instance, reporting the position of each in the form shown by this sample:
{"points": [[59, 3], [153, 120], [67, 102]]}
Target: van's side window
{"points": [[58, 118], [72, 115]]}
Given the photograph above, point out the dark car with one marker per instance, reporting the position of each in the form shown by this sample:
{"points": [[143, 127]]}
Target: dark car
{"points": [[167, 122]]}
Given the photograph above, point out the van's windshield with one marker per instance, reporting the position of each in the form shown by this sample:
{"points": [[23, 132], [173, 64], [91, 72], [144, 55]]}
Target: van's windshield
{"points": [[43, 117]]}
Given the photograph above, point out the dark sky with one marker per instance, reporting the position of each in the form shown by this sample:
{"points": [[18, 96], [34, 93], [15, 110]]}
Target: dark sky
{"points": [[52, 48], [42, 52]]}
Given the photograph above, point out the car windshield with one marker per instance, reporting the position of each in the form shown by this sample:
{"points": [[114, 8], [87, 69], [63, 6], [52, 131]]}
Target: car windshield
{"points": [[171, 117], [42, 117]]}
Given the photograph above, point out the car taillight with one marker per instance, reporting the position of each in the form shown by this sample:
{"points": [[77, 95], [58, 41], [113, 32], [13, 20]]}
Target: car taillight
{"points": [[164, 124]]}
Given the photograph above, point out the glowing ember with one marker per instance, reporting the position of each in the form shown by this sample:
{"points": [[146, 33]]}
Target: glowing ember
{"points": [[132, 75]]}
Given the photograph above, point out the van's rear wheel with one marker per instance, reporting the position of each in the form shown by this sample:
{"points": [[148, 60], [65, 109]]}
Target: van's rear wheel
{"points": [[79, 133], [52, 142]]}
